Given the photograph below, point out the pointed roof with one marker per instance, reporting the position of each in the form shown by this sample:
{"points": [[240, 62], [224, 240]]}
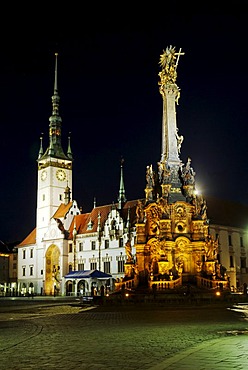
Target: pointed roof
{"points": [[62, 210], [78, 223], [30, 239], [55, 149], [122, 198], [81, 222], [41, 152]]}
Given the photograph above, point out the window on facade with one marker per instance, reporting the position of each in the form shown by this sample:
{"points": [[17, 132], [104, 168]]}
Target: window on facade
{"points": [[243, 262], [231, 261], [24, 254], [93, 245], [120, 266], [93, 266], [70, 248], [31, 271], [14, 266], [80, 267], [31, 253], [14, 257], [80, 247], [241, 242], [24, 271], [60, 197], [70, 268], [106, 243], [230, 240], [43, 197], [106, 267], [121, 242]]}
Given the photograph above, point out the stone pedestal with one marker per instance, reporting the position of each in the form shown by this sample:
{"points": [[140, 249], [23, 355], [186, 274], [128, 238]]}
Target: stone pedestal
{"points": [[129, 269], [210, 267]]}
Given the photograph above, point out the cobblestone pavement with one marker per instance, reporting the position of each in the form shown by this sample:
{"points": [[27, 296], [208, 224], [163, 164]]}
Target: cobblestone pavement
{"points": [[126, 337]]}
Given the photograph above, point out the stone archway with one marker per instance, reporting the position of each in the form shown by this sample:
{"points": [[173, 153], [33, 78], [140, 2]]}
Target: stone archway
{"points": [[83, 287], [52, 271]]}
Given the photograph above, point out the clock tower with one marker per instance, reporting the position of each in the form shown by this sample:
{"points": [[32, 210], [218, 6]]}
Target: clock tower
{"points": [[54, 169]]}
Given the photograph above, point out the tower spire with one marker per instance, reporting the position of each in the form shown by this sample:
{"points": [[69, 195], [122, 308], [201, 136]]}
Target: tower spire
{"points": [[122, 198], [55, 119], [55, 149], [56, 74], [69, 152]]}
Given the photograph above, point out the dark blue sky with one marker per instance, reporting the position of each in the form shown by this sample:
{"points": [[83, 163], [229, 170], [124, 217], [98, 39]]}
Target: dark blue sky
{"points": [[110, 102]]}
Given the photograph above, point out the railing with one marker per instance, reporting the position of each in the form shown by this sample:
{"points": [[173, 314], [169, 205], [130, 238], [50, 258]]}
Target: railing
{"points": [[129, 284], [166, 284], [160, 284], [211, 284]]}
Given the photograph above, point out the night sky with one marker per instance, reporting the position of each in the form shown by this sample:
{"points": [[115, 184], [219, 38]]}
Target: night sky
{"points": [[111, 105]]}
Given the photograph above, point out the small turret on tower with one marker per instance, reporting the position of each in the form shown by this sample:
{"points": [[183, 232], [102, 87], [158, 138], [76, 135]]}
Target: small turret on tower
{"points": [[122, 198], [69, 151], [67, 194], [41, 152]]}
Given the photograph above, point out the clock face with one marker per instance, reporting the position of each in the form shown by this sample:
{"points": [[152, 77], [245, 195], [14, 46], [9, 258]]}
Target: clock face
{"points": [[43, 175], [61, 175]]}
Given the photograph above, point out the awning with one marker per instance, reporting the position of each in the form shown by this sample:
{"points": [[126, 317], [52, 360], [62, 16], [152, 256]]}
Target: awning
{"points": [[87, 274]]}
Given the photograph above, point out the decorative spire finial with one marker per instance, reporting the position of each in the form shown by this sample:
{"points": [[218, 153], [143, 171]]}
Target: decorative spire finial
{"points": [[41, 146], [122, 198], [69, 152], [56, 74]]}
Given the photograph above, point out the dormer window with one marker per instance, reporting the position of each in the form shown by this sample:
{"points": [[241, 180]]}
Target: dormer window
{"points": [[90, 225]]}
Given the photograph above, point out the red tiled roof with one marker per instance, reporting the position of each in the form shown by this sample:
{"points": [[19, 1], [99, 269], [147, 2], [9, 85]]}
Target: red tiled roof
{"points": [[82, 221], [93, 218], [62, 210], [30, 239], [78, 221]]}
